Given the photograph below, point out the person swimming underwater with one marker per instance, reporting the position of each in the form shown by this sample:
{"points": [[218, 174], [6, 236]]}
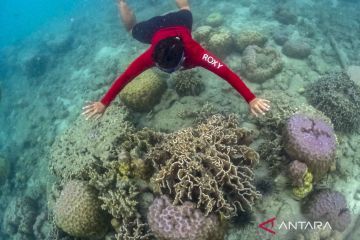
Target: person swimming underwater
{"points": [[172, 48]]}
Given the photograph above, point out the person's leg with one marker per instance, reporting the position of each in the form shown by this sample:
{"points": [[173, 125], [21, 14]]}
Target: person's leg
{"points": [[127, 16], [183, 4]]}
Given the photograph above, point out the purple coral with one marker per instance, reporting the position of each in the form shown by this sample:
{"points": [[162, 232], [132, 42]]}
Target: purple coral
{"points": [[297, 171], [183, 222], [312, 141], [329, 206]]}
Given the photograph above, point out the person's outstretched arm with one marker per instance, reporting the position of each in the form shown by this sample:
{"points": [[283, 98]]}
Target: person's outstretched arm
{"points": [[139, 65], [207, 60], [127, 16], [183, 4]]}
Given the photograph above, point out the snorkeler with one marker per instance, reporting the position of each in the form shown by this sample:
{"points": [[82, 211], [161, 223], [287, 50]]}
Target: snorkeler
{"points": [[171, 48]]}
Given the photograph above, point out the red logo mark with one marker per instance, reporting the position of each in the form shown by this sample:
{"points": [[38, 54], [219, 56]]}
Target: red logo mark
{"points": [[270, 221]]}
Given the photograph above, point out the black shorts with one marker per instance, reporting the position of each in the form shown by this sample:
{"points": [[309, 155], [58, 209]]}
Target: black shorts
{"points": [[144, 31]]}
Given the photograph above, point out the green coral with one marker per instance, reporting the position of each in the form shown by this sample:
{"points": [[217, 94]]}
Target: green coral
{"points": [[221, 42], [77, 211], [188, 83], [303, 191], [210, 165], [338, 97], [247, 38], [144, 92]]}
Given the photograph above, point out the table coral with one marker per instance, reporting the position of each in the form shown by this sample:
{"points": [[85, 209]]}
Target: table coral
{"points": [[259, 64], [210, 165]]}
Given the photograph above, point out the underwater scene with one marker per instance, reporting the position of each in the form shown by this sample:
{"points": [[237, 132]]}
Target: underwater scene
{"points": [[180, 120]]}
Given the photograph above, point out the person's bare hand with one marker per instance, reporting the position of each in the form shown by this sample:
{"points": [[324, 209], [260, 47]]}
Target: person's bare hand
{"points": [[94, 110], [259, 106], [183, 4]]}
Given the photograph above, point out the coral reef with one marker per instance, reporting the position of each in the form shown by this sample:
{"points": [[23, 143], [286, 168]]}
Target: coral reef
{"points": [[320, 234], [60, 43], [284, 15], [221, 42], [133, 230], [210, 165], [304, 190], [280, 37], [35, 65], [202, 34], [87, 143], [296, 49], [169, 222], [144, 92], [312, 141], [77, 211], [188, 83], [19, 217], [337, 97], [260, 64], [215, 19], [329, 206], [247, 38], [297, 171], [4, 170]]}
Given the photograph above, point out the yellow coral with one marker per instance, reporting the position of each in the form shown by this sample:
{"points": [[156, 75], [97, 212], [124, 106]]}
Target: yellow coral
{"points": [[302, 192]]}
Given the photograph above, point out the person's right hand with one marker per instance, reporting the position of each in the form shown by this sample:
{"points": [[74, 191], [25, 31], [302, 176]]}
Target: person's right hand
{"points": [[94, 110]]}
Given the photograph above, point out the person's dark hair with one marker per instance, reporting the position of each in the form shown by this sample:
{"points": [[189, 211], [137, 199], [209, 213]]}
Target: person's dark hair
{"points": [[168, 52]]}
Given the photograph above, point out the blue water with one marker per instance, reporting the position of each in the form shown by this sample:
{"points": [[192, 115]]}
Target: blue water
{"points": [[43, 86]]}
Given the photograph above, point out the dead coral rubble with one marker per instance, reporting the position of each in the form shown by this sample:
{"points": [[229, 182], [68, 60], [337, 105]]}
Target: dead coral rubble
{"points": [[210, 165]]}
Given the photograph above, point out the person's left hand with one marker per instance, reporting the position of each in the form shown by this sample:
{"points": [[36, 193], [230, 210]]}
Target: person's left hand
{"points": [[259, 106]]}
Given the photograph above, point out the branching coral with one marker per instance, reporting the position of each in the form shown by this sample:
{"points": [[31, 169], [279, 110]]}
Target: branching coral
{"points": [[209, 165]]}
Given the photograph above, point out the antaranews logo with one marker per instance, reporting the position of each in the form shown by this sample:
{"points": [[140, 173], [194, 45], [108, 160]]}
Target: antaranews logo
{"points": [[270, 229]]}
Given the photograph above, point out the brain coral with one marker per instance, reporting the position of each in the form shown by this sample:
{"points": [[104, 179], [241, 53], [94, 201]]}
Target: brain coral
{"points": [[188, 83], [183, 222], [296, 49], [329, 206], [311, 141], [248, 38], [215, 19], [77, 211], [338, 97], [144, 92], [210, 165], [259, 64], [221, 42]]}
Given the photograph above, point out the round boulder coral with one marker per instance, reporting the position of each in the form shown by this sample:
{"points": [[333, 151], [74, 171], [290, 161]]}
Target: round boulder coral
{"points": [[144, 92], [221, 42], [260, 64], [311, 141], [296, 49], [338, 97], [77, 211], [329, 206], [188, 83], [215, 20], [183, 222], [202, 33], [248, 38]]}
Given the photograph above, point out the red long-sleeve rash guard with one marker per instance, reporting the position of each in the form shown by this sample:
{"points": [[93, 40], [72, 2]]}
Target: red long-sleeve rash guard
{"points": [[195, 56]]}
